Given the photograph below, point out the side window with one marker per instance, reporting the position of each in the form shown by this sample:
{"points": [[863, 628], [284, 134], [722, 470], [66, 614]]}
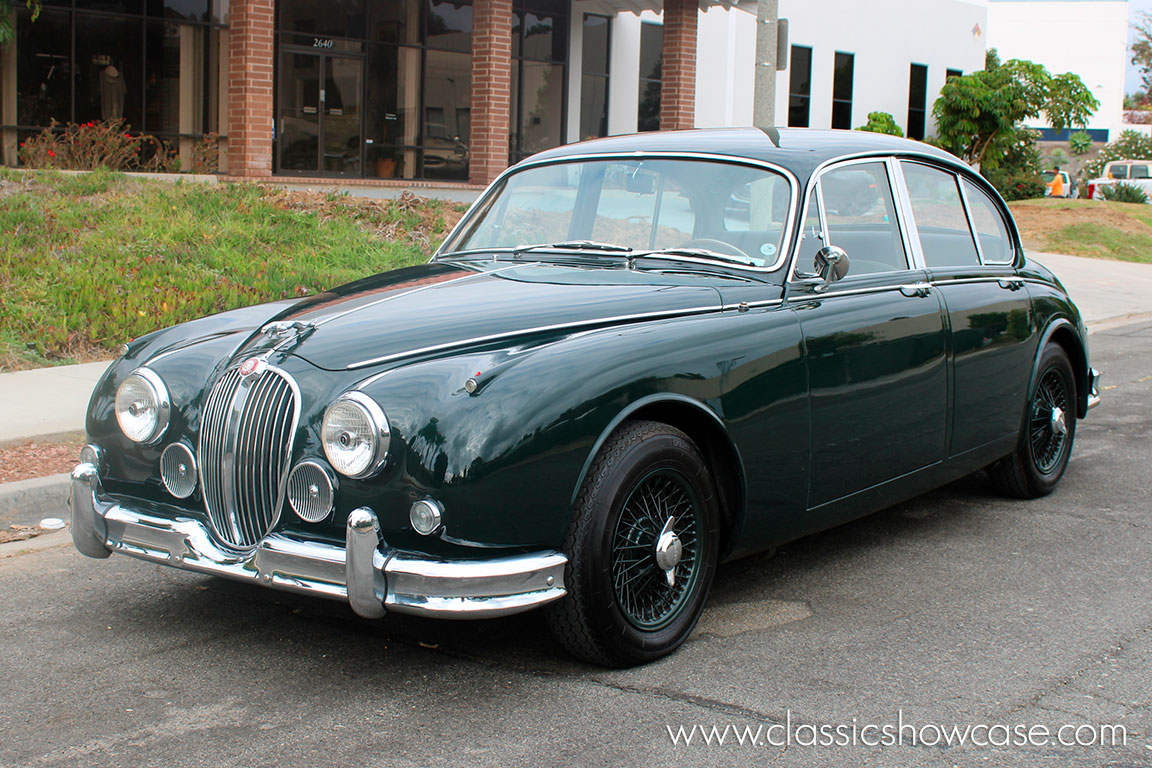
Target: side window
{"points": [[939, 214], [995, 244], [1119, 171], [1139, 172], [861, 217]]}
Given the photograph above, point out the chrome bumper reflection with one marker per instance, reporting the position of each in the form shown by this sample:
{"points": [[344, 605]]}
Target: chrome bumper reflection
{"points": [[1093, 388], [366, 572]]}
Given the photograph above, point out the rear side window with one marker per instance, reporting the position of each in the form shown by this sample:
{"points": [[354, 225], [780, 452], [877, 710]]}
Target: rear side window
{"points": [[939, 214], [1118, 172], [861, 217], [995, 244]]}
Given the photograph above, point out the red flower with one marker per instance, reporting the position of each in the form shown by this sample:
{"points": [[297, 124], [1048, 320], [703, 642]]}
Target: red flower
{"points": [[51, 153]]}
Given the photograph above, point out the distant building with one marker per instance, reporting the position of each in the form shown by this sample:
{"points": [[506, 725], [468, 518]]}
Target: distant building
{"points": [[1087, 37], [455, 90]]}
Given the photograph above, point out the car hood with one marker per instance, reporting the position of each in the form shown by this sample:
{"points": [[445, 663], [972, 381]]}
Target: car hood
{"points": [[440, 307]]}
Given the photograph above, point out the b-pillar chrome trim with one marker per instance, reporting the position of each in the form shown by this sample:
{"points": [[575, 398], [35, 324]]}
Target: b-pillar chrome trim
{"points": [[366, 572]]}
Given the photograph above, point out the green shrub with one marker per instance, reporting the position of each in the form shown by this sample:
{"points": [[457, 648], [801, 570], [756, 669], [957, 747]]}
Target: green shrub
{"points": [[1080, 142], [1123, 193], [1016, 174], [108, 144], [881, 122]]}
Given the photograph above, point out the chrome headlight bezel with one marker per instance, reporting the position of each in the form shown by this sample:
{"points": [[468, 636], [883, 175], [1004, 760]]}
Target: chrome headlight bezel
{"points": [[380, 434], [163, 405]]}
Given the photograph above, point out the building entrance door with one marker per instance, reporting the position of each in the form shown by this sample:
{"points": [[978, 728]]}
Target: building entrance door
{"points": [[320, 122]]}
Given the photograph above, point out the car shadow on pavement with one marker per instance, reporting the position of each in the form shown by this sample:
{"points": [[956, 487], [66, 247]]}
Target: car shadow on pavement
{"points": [[777, 582]]}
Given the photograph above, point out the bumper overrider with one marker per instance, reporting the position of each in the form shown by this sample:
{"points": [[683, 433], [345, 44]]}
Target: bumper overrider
{"points": [[371, 576]]}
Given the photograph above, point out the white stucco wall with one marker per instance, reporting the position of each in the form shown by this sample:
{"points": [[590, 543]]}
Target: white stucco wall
{"points": [[887, 37], [1087, 37]]}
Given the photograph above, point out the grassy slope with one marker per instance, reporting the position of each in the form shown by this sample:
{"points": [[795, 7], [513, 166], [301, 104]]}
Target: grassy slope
{"points": [[1086, 228], [87, 262]]}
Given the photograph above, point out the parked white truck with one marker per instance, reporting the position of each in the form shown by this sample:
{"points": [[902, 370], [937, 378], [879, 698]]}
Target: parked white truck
{"points": [[1138, 173]]}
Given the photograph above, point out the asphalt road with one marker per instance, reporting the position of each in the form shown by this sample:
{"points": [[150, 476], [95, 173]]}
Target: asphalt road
{"points": [[958, 608]]}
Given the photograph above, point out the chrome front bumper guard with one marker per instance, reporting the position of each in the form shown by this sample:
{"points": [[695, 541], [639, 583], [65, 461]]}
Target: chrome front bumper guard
{"points": [[371, 576], [1093, 388]]}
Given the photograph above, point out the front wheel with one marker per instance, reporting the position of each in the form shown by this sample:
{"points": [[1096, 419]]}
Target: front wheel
{"points": [[642, 549], [1039, 461]]}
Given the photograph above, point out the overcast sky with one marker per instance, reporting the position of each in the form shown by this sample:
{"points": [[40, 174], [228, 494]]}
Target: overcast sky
{"points": [[1132, 80]]}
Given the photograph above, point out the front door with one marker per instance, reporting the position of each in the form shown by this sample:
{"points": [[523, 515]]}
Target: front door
{"points": [[875, 342], [320, 125]]}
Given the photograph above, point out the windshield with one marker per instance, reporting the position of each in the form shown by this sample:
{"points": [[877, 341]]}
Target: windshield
{"points": [[643, 205]]}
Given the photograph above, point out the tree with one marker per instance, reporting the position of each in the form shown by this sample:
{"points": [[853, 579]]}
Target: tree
{"points": [[978, 115], [7, 31], [1142, 49], [881, 122]]}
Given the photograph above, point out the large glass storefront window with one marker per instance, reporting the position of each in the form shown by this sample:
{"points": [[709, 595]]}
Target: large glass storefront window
{"points": [[153, 63], [413, 61], [539, 64]]}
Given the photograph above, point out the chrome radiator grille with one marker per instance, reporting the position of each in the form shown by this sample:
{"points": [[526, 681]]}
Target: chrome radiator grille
{"points": [[245, 446]]}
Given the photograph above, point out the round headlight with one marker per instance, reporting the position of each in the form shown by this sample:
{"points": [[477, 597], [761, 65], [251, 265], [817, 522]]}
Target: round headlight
{"points": [[355, 435], [142, 406]]}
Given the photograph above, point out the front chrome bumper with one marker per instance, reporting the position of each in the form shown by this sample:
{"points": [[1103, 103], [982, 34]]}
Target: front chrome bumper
{"points": [[366, 572], [1093, 389]]}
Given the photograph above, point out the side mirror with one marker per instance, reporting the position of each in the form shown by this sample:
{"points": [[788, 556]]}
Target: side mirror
{"points": [[831, 264]]}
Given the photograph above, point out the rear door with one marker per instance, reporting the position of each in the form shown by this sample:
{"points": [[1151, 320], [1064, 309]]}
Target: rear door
{"points": [[990, 336]]}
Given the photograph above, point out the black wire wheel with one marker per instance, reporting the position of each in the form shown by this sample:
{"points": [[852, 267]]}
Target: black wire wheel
{"points": [[1048, 422], [642, 547], [1049, 429], [655, 557]]}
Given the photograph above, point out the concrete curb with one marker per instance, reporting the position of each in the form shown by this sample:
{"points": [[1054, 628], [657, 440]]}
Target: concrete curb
{"points": [[27, 502]]}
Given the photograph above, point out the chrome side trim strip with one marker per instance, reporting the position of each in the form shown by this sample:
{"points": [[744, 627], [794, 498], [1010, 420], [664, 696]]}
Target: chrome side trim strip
{"points": [[850, 292], [537, 329], [364, 572]]}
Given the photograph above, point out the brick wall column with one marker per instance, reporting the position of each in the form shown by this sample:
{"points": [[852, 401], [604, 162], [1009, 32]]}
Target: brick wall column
{"points": [[678, 86], [491, 89], [250, 32]]}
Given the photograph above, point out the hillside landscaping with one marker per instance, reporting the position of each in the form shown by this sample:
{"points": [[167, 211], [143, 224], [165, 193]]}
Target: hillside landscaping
{"points": [[1086, 228], [88, 261]]}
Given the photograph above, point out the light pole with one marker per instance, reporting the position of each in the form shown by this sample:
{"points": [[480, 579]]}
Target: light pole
{"points": [[769, 59]]}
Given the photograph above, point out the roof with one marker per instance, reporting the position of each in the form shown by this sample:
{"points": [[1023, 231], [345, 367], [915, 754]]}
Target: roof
{"points": [[801, 150]]}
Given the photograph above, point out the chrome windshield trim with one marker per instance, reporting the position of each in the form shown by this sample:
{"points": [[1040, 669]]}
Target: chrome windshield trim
{"points": [[789, 220], [536, 329]]}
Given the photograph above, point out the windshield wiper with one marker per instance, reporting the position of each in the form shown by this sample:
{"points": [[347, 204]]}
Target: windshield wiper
{"points": [[574, 245], [702, 253]]}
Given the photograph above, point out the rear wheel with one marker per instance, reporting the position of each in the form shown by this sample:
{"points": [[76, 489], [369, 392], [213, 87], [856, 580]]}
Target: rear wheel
{"points": [[642, 549], [1039, 462]]}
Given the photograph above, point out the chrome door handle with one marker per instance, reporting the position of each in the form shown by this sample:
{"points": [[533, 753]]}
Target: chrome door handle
{"points": [[916, 289], [1011, 283]]}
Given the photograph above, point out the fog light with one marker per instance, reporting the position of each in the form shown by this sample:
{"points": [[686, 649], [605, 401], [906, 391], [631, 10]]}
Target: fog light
{"points": [[94, 455], [311, 491], [178, 470], [426, 516]]}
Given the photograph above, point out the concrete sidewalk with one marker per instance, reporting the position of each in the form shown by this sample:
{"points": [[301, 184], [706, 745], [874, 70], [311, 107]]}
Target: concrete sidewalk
{"points": [[52, 401]]}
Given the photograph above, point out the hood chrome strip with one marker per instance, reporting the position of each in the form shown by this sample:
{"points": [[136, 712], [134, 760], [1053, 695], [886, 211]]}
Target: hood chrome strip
{"points": [[324, 320], [537, 329]]}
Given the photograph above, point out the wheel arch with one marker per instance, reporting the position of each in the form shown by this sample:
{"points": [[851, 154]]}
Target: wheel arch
{"points": [[705, 427], [1061, 331]]}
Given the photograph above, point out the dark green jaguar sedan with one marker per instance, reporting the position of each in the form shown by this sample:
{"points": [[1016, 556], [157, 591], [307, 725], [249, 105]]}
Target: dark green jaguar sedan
{"points": [[633, 359]]}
